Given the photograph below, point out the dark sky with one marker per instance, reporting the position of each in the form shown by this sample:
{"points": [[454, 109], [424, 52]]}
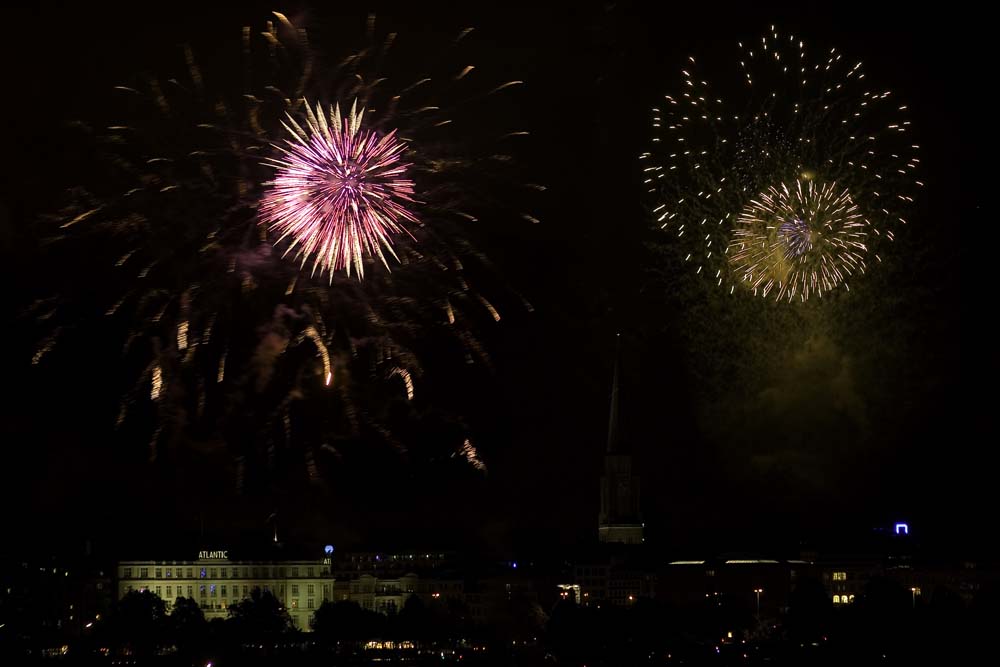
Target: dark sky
{"points": [[845, 421]]}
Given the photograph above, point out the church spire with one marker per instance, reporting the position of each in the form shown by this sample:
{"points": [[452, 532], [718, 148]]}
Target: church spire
{"points": [[613, 416]]}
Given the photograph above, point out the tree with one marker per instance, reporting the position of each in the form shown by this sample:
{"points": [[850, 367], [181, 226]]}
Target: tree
{"points": [[345, 620], [187, 623], [809, 610], [259, 616], [140, 621]]}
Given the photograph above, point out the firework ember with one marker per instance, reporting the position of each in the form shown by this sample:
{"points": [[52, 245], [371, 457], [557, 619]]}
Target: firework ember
{"points": [[340, 191]]}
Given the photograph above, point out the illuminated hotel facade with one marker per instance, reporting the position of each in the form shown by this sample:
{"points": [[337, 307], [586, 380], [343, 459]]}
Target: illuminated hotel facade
{"points": [[376, 582], [215, 582]]}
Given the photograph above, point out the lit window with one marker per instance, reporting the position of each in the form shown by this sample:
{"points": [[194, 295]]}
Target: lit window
{"points": [[836, 599], [212, 590], [295, 603], [203, 573], [840, 576]]}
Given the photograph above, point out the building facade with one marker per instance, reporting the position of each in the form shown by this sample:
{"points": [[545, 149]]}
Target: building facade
{"points": [[215, 582]]}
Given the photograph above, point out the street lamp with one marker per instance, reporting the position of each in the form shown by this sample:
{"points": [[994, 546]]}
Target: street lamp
{"points": [[758, 591], [913, 591]]}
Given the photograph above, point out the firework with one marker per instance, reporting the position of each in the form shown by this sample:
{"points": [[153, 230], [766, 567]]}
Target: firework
{"points": [[340, 191], [200, 193], [782, 173]]}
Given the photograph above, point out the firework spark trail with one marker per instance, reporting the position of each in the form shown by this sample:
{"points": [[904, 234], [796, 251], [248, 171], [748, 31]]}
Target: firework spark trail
{"points": [[798, 241], [200, 297], [339, 191], [784, 178]]}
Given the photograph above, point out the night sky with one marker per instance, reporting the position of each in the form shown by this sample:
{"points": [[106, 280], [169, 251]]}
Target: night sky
{"points": [[753, 426]]}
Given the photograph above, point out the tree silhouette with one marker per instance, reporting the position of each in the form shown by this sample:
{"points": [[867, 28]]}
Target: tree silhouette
{"points": [[259, 616], [140, 622], [188, 625], [345, 620], [809, 610]]}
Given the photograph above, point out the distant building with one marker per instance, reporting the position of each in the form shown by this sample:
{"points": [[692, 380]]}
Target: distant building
{"points": [[757, 585], [215, 582], [389, 595], [613, 579], [620, 520]]}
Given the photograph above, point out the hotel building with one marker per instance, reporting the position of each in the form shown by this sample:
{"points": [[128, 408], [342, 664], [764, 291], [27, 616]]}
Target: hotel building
{"points": [[215, 582]]}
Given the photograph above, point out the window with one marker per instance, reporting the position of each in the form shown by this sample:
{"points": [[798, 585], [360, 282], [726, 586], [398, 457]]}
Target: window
{"points": [[159, 592], [295, 571], [295, 603], [310, 603], [836, 599], [311, 590], [159, 573], [127, 573], [170, 592], [295, 589], [709, 573], [168, 573], [245, 591], [211, 589], [190, 594], [202, 573], [840, 576], [143, 572], [211, 573], [309, 572], [255, 575], [222, 573], [223, 591], [281, 572], [281, 591], [201, 591]]}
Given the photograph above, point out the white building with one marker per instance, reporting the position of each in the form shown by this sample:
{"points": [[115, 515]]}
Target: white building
{"points": [[215, 582]]}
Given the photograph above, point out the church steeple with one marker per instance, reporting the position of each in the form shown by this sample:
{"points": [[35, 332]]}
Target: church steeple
{"points": [[613, 413], [619, 520]]}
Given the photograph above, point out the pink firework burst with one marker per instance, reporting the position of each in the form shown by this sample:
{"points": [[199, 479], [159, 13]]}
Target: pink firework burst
{"points": [[340, 191]]}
